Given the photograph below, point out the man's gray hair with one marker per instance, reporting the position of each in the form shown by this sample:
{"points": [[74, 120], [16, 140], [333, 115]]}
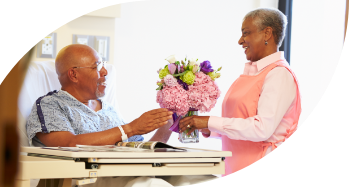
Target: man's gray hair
{"points": [[269, 17]]}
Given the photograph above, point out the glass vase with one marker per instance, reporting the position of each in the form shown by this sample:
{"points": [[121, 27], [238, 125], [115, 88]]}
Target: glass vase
{"points": [[194, 136]]}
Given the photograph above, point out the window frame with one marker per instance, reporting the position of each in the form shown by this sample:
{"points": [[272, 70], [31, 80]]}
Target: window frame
{"points": [[286, 7]]}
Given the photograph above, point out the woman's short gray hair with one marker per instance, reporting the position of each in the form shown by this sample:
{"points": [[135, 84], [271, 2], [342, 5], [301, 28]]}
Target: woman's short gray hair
{"points": [[268, 17]]}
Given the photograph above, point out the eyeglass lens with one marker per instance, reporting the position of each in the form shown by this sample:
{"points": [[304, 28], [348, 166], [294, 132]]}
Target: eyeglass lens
{"points": [[100, 66]]}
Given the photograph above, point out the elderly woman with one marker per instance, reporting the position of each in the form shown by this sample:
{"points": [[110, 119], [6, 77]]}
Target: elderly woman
{"points": [[262, 107]]}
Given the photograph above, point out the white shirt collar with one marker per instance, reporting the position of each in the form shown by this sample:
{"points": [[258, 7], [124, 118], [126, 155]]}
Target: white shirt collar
{"points": [[264, 62]]}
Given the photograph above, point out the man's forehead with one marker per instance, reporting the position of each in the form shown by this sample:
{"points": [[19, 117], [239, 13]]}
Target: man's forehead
{"points": [[94, 63], [95, 59]]}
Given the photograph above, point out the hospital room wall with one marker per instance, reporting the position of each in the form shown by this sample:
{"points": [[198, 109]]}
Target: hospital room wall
{"points": [[85, 25]]}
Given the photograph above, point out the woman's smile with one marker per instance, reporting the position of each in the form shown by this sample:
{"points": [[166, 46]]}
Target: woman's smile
{"points": [[246, 48]]}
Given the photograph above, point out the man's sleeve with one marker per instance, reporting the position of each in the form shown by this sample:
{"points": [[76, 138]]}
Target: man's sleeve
{"points": [[136, 138], [54, 118]]}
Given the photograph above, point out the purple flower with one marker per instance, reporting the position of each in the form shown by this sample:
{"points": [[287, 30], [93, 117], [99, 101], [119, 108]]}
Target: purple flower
{"points": [[183, 84], [172, 68], [205, 66], [181, 69]]}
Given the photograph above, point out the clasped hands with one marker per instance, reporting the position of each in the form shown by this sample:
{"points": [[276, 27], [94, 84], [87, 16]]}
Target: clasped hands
{"points": [[195, 122]]}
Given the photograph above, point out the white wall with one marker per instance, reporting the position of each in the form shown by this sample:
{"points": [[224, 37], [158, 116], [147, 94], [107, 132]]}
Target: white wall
{"points": [[98, 23], [317, 41], [149, 31], [109, 12]]}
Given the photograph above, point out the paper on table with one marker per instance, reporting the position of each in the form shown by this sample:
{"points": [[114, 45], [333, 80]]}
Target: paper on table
{"points": [[105, 148], [108, 148]]}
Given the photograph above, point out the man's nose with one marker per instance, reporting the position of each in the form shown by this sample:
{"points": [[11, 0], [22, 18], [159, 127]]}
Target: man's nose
{"points": [[103, 72]]}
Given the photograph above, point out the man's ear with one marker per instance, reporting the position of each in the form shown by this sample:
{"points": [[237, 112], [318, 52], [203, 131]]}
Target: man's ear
{"points": [[72, 75]]}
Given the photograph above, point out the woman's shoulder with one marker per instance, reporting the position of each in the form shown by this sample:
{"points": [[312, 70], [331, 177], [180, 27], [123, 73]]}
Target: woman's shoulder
{"points": [[280, 70], [280, 73]]}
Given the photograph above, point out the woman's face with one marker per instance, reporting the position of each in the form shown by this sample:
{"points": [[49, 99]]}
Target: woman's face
{"points": [[252, 41]]}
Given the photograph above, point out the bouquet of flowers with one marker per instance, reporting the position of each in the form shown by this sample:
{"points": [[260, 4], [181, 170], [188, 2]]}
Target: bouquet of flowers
{"points": [[187, 87]]}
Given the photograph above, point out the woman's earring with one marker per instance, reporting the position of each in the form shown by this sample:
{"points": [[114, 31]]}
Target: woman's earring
{"points": [[266, 43]]}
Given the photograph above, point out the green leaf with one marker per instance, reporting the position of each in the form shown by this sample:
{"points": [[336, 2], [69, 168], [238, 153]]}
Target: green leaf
{"points": [[179, 74], [177, 62], [159, 88]]}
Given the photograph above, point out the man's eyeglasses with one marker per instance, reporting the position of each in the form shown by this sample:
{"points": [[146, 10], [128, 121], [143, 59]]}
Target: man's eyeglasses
{"points": [[99, 66]]}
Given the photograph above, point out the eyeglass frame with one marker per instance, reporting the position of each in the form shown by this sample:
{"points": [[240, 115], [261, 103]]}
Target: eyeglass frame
{"points": [[101, 62]]}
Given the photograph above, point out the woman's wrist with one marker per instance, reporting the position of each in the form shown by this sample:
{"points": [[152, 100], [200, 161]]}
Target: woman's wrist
{"points": [[205, 132]]}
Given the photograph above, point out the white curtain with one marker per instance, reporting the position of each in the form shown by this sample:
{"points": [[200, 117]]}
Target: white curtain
{"points": [[150, 31]]}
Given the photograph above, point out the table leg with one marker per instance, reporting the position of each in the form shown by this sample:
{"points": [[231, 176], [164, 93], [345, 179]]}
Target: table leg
{"points": [[55, 183], [65, 183], [42, 183], [22, 183]]}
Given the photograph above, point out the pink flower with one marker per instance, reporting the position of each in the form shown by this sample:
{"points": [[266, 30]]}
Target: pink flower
{"points": [[174, 98], [170, 80], [203, 94]]}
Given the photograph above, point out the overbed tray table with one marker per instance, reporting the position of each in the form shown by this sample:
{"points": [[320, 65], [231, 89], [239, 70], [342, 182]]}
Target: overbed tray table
{"points": [[87, 166]]}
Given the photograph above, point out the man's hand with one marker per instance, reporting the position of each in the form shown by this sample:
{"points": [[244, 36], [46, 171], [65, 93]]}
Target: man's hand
{"points": [[163, 133], [148, 122]]}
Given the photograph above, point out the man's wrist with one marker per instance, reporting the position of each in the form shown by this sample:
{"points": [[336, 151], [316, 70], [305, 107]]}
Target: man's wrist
{"points": [[128, 130], [124, 136]]}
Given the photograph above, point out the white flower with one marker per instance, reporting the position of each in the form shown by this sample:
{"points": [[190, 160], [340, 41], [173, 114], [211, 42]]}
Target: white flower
{"points": [[192, 62], [195, 68], [171, 59]]}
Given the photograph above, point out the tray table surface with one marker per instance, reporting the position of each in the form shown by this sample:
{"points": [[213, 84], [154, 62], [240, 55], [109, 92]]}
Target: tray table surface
{"points": [[190, 153]]}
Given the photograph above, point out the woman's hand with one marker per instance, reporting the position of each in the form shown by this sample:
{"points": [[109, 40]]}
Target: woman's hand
{"points": [[205, 132], [192, 123]]}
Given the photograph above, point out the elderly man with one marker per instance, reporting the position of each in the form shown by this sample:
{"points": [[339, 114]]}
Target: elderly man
{"points": [[76, 115]]}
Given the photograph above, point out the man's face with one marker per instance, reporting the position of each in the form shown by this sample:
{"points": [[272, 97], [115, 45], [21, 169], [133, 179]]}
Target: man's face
{"points": [[93, 81], [101, 84]]}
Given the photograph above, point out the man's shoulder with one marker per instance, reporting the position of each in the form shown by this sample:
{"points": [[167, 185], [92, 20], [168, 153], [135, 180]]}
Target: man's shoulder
{"points": [[54, 97]]}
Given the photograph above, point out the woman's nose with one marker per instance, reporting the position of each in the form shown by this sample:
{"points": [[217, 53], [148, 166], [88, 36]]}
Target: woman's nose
{"points": [[241, 40]]}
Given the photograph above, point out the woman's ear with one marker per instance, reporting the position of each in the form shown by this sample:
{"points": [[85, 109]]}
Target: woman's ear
{"points": [[268, 33]]}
